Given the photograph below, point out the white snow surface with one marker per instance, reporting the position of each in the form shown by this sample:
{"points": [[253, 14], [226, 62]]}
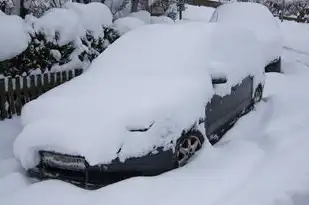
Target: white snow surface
{"points": [[137, 91], [142, 15], [14, 38], [126, 24], [161, 19], [258, 19]]}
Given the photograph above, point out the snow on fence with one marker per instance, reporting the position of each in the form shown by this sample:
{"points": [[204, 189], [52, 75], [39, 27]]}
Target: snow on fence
{"points": [[16, 92]]}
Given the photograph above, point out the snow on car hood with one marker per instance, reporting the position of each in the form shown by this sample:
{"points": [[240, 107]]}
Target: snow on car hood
{"points": [[150, 76]]}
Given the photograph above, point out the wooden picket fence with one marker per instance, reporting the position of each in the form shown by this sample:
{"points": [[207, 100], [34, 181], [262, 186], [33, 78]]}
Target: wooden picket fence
{"points": [[16, 92]]}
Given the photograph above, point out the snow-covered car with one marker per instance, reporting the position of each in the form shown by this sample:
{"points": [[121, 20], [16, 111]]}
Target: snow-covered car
{"points": [[258, 19], [145, 105]]}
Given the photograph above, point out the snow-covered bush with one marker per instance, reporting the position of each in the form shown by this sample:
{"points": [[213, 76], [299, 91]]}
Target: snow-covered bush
{"points": [[294, 8], [38, 7], [96, 45], [13, 39], [63, 38], [6, 6], [126, 24], [40, 55]]}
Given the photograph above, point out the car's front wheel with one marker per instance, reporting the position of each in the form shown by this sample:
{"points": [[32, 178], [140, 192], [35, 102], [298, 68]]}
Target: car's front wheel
{"points": [[187, 146], [258, 94]]}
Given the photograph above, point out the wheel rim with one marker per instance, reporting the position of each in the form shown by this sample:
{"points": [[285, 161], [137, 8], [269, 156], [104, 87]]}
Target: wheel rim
{"points": [[187, 149], [257, 95]]}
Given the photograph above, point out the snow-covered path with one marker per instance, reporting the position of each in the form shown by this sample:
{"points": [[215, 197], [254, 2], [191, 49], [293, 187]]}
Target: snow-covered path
{"points": [[263, 160]]}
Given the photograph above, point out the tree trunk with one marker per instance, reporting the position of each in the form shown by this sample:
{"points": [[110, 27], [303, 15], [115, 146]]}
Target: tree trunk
{"points": [[134, 5], [23, 11]]}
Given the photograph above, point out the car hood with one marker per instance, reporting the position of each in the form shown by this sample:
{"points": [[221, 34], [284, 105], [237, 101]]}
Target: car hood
{"points": [[102, 124]]}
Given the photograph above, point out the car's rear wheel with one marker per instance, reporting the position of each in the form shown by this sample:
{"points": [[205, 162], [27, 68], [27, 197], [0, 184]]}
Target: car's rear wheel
{"points": [[258, 94], [187, 146]]}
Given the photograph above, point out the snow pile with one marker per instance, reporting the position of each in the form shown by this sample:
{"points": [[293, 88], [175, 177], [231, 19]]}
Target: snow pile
{"points": [[161, 19], [142, 15], [173, 93], [256, 18], [126, 24], [295, 36], [14, 38], [92, 16]]}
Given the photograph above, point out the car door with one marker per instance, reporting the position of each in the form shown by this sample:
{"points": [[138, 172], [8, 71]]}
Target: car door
{"points": [[242, 95], [222, 110]]}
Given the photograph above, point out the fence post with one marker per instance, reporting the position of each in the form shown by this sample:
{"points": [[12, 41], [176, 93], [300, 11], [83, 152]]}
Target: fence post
{"points": [[3, 113], [18, 94], [10, 98]]}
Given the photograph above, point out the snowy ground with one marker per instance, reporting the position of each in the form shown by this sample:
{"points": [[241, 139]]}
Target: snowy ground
{"points": [[263, 160]]}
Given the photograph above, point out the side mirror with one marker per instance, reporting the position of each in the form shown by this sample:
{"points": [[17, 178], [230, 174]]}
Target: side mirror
{"points": [[218, 80]]}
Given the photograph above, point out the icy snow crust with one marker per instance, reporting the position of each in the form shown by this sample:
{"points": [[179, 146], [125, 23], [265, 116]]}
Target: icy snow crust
{"points": [[258, 19], [125, 87], [13, 36]]}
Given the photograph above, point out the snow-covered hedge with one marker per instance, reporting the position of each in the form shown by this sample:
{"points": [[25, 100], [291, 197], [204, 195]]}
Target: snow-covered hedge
{"points": [[63, 38]]}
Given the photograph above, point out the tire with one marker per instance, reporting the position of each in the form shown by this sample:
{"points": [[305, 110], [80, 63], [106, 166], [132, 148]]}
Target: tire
{"points": [[274, 66], [258, 94], [187, 145]]}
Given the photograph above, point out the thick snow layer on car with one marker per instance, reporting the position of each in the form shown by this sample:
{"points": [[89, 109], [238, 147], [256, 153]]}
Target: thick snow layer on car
{"points": [[125, 88], [258, 19], [14, 38], [126, 24], [161, 19], [142, 15], [92, 16], [59, 20]]}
